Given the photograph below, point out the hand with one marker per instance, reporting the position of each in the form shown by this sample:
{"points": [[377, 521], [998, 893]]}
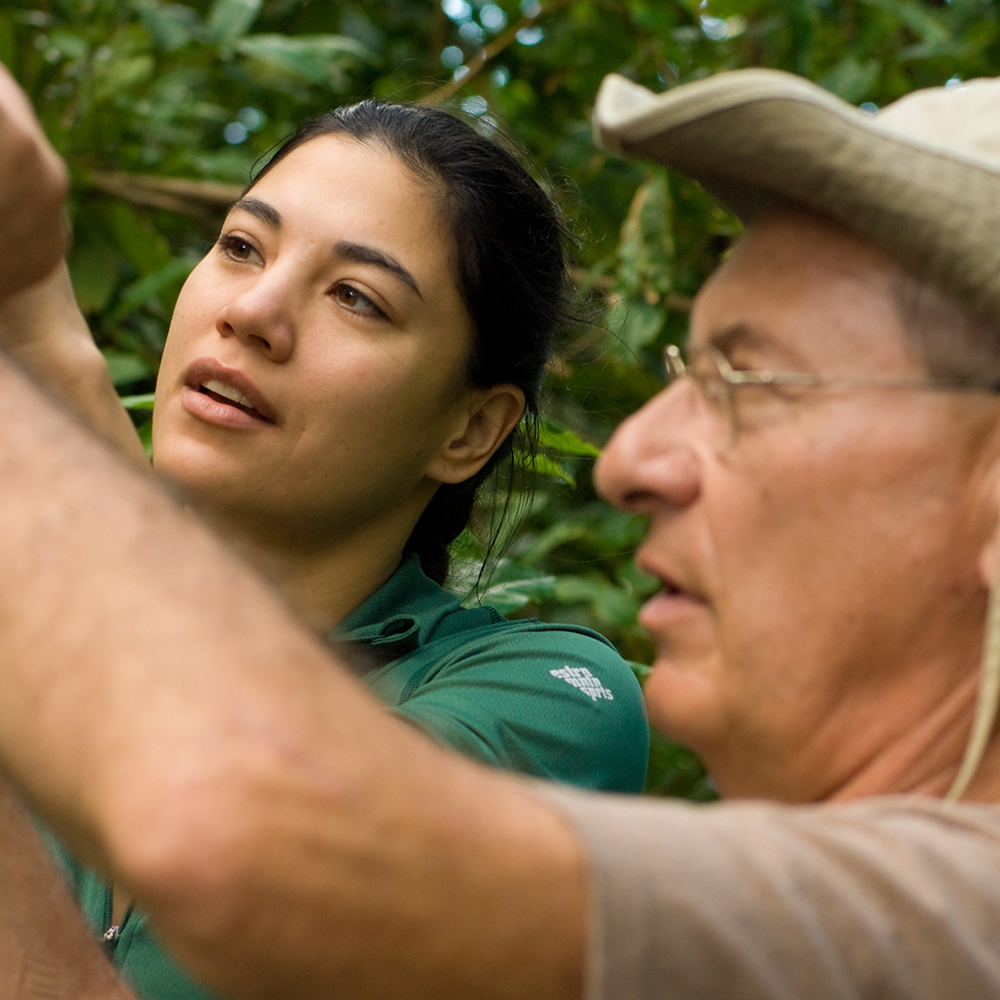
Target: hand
{"points": [[33, 188]]}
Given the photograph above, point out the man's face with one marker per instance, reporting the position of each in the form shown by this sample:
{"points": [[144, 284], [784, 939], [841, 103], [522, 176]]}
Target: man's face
{"points": [[822, 594]]}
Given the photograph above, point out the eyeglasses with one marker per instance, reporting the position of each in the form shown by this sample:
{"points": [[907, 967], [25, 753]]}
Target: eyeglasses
{"points": [[717, 381]]}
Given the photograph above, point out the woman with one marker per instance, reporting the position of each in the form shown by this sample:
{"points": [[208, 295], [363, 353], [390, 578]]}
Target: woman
{"points": [[342, 372]]}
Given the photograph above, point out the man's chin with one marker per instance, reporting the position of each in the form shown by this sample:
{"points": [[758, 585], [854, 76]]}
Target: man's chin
{"points": [[683, 701]]}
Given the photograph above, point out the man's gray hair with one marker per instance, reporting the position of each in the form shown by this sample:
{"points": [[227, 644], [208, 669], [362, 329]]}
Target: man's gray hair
{"points": [[955, 343]]}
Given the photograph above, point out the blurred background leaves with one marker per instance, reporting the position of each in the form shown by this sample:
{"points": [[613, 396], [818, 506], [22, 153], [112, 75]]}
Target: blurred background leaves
{"points": [[161, 108]]}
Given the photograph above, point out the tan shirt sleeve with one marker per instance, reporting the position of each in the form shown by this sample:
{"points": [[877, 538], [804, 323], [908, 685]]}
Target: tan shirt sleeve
{"points": [[886, 898]]}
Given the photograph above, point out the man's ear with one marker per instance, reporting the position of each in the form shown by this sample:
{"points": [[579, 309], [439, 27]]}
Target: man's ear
{"points": [[989, 551], [987, 491], [483, 423], [988, 556]]}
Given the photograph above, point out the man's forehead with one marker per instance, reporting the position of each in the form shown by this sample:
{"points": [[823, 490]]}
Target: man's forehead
{"points": [[794, 238], [795, 271]]}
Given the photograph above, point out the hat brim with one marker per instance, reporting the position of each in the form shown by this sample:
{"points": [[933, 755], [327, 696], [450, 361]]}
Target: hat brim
{"points": [[755, 137]]}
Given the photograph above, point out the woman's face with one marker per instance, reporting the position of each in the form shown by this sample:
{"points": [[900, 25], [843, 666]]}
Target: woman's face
{"points": [[315, 362]]}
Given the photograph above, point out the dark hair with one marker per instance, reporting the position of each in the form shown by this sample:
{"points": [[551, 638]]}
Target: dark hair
{"points": [[510, 271]]}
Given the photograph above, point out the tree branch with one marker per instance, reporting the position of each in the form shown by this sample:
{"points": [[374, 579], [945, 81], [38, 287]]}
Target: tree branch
{"points": [[488, 53], [186, 196]]}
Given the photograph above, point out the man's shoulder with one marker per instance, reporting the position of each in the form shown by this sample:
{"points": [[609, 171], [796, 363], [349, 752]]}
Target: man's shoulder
{"points": [[885, 820], [900, 897]]}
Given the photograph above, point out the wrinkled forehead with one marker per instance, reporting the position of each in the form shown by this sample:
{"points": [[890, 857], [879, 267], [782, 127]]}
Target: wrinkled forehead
{"points": [[791, 242], [809, 286]]}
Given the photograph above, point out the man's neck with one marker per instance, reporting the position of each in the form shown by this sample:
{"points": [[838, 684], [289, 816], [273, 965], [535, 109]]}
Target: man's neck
{"points": [[916, 749], [984, 787], [926, 759]]}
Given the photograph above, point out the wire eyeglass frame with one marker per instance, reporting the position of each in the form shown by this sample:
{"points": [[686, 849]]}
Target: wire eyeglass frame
{"points": [[718, 384]]}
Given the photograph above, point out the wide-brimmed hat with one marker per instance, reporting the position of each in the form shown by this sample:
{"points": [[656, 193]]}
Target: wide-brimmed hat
{"points": [[920, 179]]}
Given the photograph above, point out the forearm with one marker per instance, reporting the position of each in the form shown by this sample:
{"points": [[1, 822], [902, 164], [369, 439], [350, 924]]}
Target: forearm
{"points": [[40, 323], [43, 329], [78, 375], [290, 839], [46, 949]]}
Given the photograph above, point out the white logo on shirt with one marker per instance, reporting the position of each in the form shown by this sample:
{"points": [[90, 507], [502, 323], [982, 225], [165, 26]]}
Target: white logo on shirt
{"points": [[582, 678]]}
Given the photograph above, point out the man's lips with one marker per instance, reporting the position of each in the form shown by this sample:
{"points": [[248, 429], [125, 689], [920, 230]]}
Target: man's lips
{"points": [[225, 396], [674, 601]]}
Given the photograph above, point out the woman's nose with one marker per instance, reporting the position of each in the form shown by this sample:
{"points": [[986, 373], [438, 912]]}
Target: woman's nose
{"points": [[651, 461], [261, 316]]}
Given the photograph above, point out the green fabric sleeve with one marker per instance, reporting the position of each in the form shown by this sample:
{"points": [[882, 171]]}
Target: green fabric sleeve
{"points": [[548, 702]]}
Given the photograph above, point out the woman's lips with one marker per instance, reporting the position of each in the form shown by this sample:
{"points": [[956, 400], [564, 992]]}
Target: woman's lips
{"points": [[224, 397]]}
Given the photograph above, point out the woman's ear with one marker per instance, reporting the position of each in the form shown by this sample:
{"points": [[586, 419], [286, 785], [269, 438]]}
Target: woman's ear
{"points": [[486, 417]]}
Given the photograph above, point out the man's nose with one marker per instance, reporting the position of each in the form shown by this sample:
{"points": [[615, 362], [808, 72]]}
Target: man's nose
{"points": [[652, 461], [261, 315]]}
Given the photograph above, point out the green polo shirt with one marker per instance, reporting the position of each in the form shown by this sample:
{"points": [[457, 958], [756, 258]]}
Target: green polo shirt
{"points": [[550, 700]]}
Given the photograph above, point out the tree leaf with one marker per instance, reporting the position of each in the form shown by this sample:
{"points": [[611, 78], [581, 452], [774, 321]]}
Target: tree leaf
{"points": [[146, 249], [143, 402], [511, 587], [637, 323], [92, 265], [170, 275], [125, 368], [546, 467], [170, 25], [315, 58], [229, 20], [917, 17], [8, 49], [851, 80], [609, 604], [555, 437]]}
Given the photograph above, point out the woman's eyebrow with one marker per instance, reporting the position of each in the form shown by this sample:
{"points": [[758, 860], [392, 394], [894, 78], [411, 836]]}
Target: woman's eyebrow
{"points": [[358, 252], [362, 254], [267, 214]]}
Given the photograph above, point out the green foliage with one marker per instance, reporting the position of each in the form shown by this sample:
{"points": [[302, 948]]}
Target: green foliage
{"points": [[161, 108]]}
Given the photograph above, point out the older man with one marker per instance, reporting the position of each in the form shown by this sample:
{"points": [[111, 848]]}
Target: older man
{"points": [[825, 542], [823, 492], [837, 533]]}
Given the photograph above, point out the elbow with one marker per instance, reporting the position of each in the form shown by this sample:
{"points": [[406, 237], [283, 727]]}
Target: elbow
{"points": [[186, 851]]}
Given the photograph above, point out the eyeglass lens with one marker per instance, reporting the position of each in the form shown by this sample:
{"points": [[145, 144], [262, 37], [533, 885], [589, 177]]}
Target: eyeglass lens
{"points": [[703, 369]]}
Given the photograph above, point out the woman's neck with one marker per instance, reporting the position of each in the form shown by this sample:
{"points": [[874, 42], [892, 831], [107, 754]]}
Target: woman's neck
{"points": [[323, 584]]}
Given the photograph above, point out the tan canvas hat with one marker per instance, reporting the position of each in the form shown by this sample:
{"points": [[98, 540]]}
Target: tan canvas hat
{"points": [[921, 178]]}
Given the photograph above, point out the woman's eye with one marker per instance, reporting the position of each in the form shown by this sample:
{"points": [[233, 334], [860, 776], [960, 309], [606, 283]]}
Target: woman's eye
{"points": [[349, 296], [238, 249]]}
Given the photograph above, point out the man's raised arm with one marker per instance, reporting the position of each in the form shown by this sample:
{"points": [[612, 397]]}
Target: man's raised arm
{"points": [[167, 715], [175, 724]]}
